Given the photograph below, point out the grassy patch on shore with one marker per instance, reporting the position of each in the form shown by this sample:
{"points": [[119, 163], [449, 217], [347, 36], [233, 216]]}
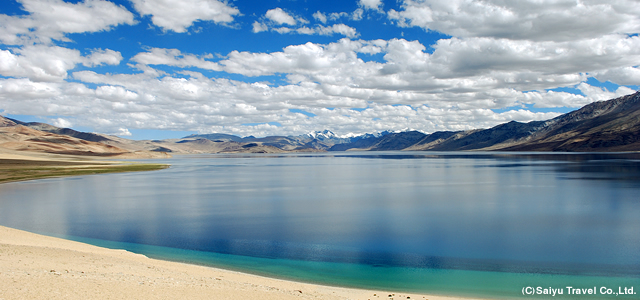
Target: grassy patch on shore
{"points": [[21, 170]]}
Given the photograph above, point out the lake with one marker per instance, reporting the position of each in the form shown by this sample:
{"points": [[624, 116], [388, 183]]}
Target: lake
{"points": [[459, 223]]}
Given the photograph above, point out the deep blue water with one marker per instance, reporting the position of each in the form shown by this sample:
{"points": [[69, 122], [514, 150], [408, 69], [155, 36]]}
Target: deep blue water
{"points": [[483, 224]]}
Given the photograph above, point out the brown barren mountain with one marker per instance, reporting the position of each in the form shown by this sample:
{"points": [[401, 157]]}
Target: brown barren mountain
{"points": [[603, 126], [612, 125], [14, 136], [45, 138]]}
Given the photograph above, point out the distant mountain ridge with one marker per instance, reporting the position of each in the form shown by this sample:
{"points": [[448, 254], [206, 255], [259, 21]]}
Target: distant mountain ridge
{"points": [[612, 125], [318, 140], [44, 138], [92, 137]]}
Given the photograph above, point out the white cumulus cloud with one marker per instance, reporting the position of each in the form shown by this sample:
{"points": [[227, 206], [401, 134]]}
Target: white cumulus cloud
{"points": [[50, 63], [179, 15], [540, 20], [280, 21], [53, 19], [371, 4], [173, 57], [279, 16], [62, 123], [320, 16], [501, 58]]}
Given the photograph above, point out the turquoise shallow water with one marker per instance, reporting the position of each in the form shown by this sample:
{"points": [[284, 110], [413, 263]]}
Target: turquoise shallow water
{"points": [[467, 224], [477, 284]]}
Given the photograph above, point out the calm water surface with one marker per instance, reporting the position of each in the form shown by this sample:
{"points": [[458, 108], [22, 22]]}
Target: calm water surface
{"points": [[484, 224]]}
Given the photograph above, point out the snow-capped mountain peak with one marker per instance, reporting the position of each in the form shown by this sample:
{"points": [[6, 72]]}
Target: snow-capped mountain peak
{"points": [[325, 134], [328, 134]]}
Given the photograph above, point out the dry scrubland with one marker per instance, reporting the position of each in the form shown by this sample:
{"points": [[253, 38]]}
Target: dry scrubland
{"points": [[18, 167]]}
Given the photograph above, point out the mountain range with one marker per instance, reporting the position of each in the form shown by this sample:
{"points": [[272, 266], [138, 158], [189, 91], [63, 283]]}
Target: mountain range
{"points": [[603, 126]]}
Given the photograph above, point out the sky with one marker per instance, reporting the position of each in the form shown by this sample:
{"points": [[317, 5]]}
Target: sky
{"points": [[153, 69]]}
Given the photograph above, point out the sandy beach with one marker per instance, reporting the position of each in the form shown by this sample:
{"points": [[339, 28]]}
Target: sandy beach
{"points": [[34, 266]]}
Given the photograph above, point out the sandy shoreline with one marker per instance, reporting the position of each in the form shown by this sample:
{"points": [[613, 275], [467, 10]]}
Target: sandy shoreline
{"points": [[34, 266]]}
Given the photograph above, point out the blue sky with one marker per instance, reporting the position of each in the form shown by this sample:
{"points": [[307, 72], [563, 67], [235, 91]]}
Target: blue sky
{"points": [[151, 69]]}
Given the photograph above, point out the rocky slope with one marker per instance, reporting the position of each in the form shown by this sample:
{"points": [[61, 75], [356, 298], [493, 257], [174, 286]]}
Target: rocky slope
{"points": [[612, 125]]}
